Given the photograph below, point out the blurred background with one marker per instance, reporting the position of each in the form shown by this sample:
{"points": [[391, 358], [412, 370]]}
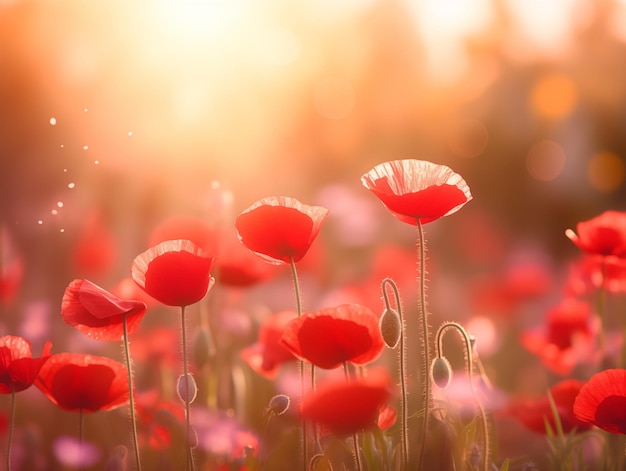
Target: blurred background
{"points": [[115, 115]]}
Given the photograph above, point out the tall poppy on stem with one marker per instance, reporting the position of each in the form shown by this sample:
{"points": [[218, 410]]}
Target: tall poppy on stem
{"points": [[602, 401], [18, 370], [418, 192], [84, 383], [177, 273], [281, 230], [103, 316]]}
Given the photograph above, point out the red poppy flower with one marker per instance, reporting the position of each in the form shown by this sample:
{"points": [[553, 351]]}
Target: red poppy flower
{"points": [[99, 314], [344, 407], [174, 272], [417, 189], [603, 235], [602, 401], [592, 272], [331, 336], [237, 266], [567, 338], [18, 368], [95, 249], [79, 382], [280, 229], [269, 353], [156, 419], [533, 412]]}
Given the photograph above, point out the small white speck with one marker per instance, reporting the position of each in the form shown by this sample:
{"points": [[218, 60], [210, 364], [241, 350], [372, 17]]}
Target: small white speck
{"points": [[40, 222], [61, 230], [71, 185], [60, 204], [62, 146], [53, 121], [85, 110], [96, 162], [130, 134], [54, 212], [85, 147]]}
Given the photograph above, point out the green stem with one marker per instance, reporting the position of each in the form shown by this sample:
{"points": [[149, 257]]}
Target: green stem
{"points": [[296, 284], [80, 438], [188, 453], [11, 426], [403, 403], [423, 316], [131, 399], [469, 360]]}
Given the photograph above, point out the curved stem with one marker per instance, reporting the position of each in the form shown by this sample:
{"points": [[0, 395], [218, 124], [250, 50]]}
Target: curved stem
{"points": [[131, 399], [404, 430], [423, 316], [470, 371], [188, 453], [11, 427], [296, 284]]}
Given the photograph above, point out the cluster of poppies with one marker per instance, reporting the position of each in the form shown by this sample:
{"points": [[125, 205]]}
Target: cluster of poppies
{"points": [[187, 257]]}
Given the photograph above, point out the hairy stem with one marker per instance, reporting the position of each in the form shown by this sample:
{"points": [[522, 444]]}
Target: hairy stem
{"points": [[188, 453], [11, 427], [131, 398], [296, 284], [404, 416], [423, 317]]}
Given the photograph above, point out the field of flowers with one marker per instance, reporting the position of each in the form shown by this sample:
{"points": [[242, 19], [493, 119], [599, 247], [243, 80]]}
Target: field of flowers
{"points": [[380, 235]]}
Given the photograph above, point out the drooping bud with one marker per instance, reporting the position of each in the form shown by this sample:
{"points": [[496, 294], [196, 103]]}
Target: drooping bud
{"points": [[279, 404], [441, 372], [186, 388], [390, 326]]}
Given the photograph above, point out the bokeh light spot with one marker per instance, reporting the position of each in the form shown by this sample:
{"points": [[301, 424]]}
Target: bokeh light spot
{"points": [[606, 171], [53, 121], [334, 98], [553, 96], [545, 160], [468, 138]]}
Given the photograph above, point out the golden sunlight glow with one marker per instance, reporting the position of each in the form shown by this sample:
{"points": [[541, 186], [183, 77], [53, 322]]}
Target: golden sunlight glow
{"points": [[606, 171], [553, 96], [545, 160]]}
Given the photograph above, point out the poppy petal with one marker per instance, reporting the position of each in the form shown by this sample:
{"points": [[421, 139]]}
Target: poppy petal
{"points": [[602, 401]]}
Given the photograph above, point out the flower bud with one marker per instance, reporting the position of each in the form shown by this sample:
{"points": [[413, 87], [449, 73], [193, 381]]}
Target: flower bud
{"points": [[186, 388], [279, 404], [441, 372], [390, 326]]}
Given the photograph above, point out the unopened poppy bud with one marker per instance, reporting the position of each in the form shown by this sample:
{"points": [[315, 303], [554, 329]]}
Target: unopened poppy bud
{"points": [[441, 372], [186, 388], [320, 462], [390, 326], [279, 404], [201, 348]]}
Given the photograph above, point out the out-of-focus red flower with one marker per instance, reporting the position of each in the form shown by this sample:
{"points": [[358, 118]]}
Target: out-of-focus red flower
{"points": [[237, 266], [99, 314], [126, 288], [11, 268], [332, 336], [174, 272], [18, 368], [534, 412], [156, 418], [591, 272], [266, 355], [603, 235], [192, 228], [95, 249], [566, 339], [280, 229], [415, 190], [154, 346], [80, 382], [348, 407], [602, 401], [387, 416]]}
